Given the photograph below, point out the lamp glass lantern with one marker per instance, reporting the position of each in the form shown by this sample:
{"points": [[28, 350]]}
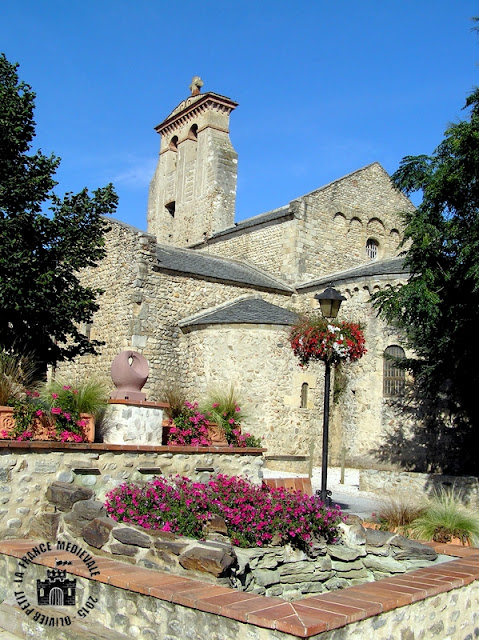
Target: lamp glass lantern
{"points": [[330, 301]]}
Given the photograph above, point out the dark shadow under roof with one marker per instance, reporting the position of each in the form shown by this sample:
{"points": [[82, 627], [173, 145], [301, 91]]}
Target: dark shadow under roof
{"points": [[390, 267], [192, 263], [246, 311]]}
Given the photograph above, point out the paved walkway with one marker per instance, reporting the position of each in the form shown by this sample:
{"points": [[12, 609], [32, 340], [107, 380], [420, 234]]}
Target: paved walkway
{"points": [[347, 495]]}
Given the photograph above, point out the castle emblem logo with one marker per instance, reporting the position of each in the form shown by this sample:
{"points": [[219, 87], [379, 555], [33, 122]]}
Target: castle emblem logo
{"points": [[56, 588]]}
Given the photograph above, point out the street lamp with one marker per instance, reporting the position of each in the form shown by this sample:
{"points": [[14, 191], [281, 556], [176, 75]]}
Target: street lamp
{"points": [[330, 301]]}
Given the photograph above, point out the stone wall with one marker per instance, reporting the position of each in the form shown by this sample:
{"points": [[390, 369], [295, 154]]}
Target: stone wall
{"points": [[361, 555], [417, 485], [271, 247], [328, 232], [425, 604], [27, 471]]}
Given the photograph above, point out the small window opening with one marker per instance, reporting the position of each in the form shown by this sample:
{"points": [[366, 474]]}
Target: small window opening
{"points": [[174, 143], [394, 377], [86, 329], [193, 132], [304, 395], [171, 207], [372, 247]]}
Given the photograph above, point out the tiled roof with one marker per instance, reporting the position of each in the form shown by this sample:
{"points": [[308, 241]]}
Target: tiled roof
{"points": [[243, 311], [390, 267], [202, 265]]}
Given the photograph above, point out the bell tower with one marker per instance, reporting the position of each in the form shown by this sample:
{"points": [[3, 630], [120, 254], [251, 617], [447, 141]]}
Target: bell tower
{"points": [[193, 191]]}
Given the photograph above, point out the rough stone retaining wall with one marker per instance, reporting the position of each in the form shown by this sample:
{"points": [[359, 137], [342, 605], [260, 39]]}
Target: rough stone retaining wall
{"points": [[75, 513], [27, 469], [417, 485]]}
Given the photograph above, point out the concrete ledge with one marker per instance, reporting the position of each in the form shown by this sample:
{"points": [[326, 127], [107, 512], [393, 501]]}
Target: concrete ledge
{"points": [[104, 446]]}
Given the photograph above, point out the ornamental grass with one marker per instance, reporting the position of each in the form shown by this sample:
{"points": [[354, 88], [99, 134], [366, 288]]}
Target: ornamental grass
{"points": [[255, 516], [445, 517]]}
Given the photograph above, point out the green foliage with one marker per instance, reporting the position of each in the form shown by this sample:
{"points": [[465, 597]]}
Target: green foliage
{"points": [[41, 298], [438, 308], [445, 517], [83, 396], [398, 512], [223, 407]]}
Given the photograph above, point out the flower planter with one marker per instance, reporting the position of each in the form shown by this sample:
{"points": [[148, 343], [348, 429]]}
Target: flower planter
{"points": [[216, 434], [41, 429]]}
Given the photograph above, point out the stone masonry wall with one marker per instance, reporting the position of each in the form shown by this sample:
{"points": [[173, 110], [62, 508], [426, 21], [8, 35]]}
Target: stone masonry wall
{"points": [[26, 473], [337, 220], [329, 231], [259, 363], [417, 485], [453, 613], [272, 248]]}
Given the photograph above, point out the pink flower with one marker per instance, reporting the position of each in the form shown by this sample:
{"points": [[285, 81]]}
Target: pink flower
{"points": [[67, 416], [35, 394], [56, 410], [54, 396], [39, 413], [66, 387], [215, 405]]}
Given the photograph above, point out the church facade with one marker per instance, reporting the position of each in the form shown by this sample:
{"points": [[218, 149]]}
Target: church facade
{"points": [[209, 302]]}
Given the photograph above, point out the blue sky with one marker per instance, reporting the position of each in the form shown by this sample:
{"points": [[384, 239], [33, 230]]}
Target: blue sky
{"points": [[324, 88]]}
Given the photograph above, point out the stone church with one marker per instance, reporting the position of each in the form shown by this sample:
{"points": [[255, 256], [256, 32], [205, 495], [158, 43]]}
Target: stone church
{"points": [[210, 301]]}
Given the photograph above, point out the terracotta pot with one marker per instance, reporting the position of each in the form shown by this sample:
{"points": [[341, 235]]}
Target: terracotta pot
{"points": [[216, 435], [41, 428]]}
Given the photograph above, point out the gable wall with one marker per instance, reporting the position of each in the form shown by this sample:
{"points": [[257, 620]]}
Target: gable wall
{"points": [[337, 220]]}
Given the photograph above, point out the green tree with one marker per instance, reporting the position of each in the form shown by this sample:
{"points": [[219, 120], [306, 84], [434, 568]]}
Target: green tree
{"points": [[41, 299], [438, 308]]}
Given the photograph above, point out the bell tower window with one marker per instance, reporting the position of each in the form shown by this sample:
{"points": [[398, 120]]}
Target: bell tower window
{"points": [[170, 207]]}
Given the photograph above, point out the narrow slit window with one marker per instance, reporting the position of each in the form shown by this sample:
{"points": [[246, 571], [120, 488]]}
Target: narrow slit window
{"points": [[171, 207], [304, 395]]}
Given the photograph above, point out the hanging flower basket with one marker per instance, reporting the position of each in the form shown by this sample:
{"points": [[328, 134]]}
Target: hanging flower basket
{"points": [[320, 339]]}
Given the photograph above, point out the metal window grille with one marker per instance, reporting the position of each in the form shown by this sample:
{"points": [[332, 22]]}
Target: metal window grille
{"points": [[393, 377], [372, 249]]}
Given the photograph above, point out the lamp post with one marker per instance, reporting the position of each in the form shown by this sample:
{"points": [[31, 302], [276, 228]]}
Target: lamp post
{"points": [[330, 301]]}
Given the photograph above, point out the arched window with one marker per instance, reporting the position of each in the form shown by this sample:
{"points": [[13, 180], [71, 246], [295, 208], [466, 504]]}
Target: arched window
{"points": [[174, 143], [304, 396], [193, 132], [393, 377], [372, 247]]}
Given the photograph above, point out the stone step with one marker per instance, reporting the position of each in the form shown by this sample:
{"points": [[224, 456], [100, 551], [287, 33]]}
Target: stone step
{"points": [[15, 625]]}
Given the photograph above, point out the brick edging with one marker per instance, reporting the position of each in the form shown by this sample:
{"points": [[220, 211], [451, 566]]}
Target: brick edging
{"points": [[302, 618]]}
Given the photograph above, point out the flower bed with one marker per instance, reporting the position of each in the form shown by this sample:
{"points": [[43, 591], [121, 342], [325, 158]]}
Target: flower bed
{"points": [[192, 426], [254, 516]]}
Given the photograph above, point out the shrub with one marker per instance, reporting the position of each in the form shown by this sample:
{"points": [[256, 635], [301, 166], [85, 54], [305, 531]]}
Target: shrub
{"points": [[176, 399], [190, 427], [223, 407], [254, 515], [444, 518], [398, 512], [85, 396]]}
